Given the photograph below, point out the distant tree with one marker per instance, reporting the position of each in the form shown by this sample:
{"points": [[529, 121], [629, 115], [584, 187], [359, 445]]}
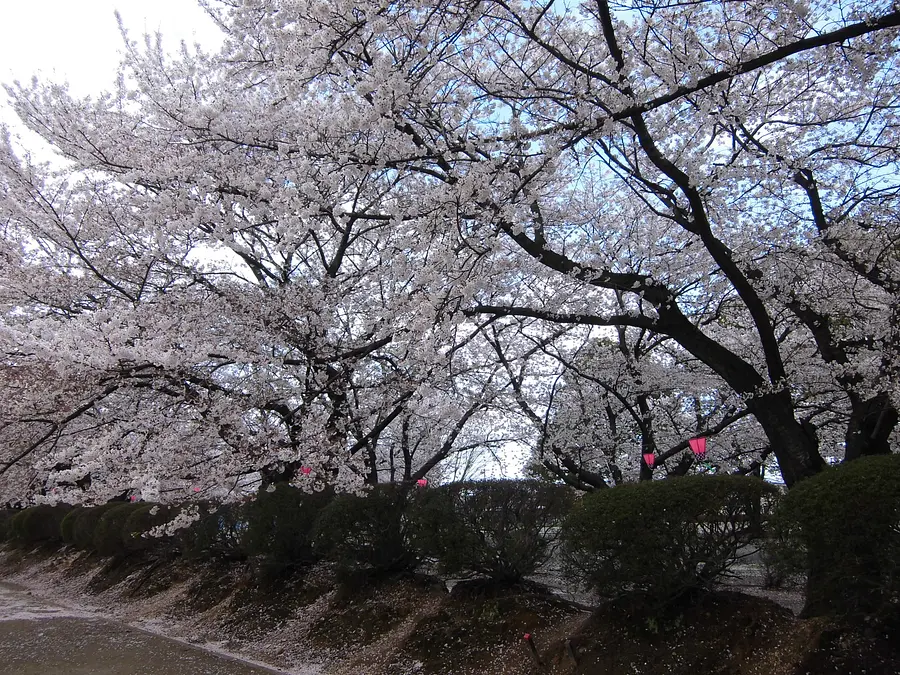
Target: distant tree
{"points": [[624, 399]]}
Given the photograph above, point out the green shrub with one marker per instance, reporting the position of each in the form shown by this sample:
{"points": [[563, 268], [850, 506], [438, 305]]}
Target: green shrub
{"points": [[5, 516], [663, 539], [38, 524], [217, 533], [139, 523], [85, 523], [67, 526], [841, 528], [279, 526], [109, 539], [368, 534], [503, 529]]}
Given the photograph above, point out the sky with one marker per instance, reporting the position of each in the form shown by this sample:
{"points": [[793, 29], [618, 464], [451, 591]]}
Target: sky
{"points": [[78, 41]]}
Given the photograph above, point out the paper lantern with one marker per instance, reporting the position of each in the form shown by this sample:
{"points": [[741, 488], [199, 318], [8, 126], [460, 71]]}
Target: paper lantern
{"points": [[698, 446], [196, 489], [649, 459], [134, 498], [422, 482], [305, 470], [527, 636]]}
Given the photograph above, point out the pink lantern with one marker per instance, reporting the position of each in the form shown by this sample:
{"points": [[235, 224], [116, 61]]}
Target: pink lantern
{"points": [[649, 459], [196, 489], [422, 482], [698, 446], [134, 498], [305, 470], [526, 637]]}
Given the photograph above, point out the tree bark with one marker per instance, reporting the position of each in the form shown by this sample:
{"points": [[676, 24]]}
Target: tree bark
{"points": [[796, 449], [872, 421]]}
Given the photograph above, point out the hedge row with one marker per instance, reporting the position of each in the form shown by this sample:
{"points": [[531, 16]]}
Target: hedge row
{"points": [[841, 530], [661, 539], [37, 525], [665, 539], [504, 530]]}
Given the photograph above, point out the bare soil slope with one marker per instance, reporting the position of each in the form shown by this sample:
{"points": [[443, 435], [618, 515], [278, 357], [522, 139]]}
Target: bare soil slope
{"points": [[399, 626]]}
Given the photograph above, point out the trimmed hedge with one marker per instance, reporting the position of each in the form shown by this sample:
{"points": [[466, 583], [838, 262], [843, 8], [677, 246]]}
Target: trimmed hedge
{"points": [[841, 528], [5, 516], [109, 533], [217, 534], [67, 526], [38, 524], [663, 539], [85, 523], [503, 529], [278, 528], [367, 534], [140, 521]]}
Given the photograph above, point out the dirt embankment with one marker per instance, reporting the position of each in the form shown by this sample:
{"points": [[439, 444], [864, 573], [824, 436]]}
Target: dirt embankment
{"points": [[310, 623]]}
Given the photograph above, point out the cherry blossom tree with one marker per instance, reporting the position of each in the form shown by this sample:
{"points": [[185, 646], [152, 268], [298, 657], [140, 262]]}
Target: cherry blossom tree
{"points": [[607, 409], [276, 256], [628, 408], [661, 111], [216, 326]]}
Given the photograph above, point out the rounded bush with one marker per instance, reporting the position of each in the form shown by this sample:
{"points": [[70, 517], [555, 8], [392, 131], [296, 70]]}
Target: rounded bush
{"points": [[85, 523], [664, 539], [841, 528], [140, 522], [109, 539], [38, 524], [503, 529], [217, 533], [5, 516], [368, 533], [67, 526], [279, 526]]}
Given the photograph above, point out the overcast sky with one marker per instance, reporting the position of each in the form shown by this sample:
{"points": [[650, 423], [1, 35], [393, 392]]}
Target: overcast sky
{"points": [[78, 40]]}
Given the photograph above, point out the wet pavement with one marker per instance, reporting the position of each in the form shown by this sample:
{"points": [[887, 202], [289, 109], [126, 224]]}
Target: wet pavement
{"points": [[39, 638]]}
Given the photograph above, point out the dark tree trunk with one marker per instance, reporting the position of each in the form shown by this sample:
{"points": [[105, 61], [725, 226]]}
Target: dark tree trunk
{"points": [[872, 421], [685, 462], [796, 449]]}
